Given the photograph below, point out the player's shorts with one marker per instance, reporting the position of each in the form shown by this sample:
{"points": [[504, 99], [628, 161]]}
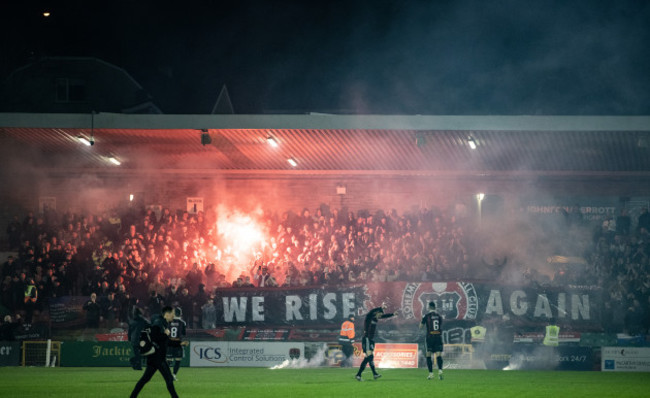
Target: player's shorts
{"points": [[175, 352], [433, 343], [367, 344]]}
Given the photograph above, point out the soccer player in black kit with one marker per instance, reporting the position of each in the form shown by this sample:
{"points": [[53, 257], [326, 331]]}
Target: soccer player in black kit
{"points": [[368, 342], [433, 340], [175, 351], [157, 361]]}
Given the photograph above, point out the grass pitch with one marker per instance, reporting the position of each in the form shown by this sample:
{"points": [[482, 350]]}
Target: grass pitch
{"points": [[320, 382]]}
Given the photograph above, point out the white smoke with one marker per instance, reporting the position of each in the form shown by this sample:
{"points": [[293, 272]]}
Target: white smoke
{"points": [[542, 357], [315, 361]]}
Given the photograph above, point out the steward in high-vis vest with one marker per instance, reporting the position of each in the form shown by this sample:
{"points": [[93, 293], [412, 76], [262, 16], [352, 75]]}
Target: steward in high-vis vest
{"points": [[31, 295], [346, 339], [551, 338]]}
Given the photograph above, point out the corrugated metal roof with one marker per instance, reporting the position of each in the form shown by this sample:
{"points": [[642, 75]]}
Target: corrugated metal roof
{"points": [[332, 150]]}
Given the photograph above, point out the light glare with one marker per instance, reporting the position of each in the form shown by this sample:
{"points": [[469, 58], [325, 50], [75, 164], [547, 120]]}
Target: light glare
{"points": [[243, 237]]}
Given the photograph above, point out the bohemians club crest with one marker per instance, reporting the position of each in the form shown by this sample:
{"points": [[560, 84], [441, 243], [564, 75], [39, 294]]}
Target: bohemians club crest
{"points": [[454, 300]]}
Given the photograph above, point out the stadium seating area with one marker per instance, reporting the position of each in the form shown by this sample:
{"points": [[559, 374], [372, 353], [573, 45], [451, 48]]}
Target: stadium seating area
{"points": [[143, 258]]}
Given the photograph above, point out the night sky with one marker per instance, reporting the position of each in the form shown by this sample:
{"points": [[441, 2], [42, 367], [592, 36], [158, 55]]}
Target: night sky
{"points": [[548, 57]]}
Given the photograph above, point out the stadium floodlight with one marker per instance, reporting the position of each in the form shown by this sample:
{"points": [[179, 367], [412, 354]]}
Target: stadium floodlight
{"points": [[272, 141], [114, 161], [205, 137], [86, 141]]}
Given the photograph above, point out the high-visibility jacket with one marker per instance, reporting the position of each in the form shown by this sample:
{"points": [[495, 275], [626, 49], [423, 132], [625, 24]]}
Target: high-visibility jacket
{"points": [[347, 331], [31, 294], [478, 334], [552, 335]]}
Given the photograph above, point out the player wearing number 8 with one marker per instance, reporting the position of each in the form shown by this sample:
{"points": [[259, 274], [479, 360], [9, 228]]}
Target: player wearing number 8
{"points": [[175, 350], [156, 361], [433, 340]]}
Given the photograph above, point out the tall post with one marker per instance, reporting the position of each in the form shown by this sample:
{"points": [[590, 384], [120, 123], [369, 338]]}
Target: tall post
{"points": [[479, 200]]}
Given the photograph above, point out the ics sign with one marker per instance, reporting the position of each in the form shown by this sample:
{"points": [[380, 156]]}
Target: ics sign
{"points": [[252, 354]]}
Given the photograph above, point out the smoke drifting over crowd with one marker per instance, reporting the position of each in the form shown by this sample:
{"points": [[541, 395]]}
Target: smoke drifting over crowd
{"points": [[242, 229], [283, 250]]}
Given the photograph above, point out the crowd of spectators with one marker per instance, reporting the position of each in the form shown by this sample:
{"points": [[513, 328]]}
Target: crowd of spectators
{"points": [[177, 258], [147, 259], [619, 261]]}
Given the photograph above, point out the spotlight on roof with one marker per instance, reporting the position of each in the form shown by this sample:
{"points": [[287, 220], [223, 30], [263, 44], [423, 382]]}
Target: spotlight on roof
{"points": [[292, 162], [471, 143], [205, 137], [86, 141], [272, 141], [114, 161]]}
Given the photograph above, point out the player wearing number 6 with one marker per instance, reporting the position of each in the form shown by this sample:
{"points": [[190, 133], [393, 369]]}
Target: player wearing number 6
{"points": [[175, 350], [433, 340]]}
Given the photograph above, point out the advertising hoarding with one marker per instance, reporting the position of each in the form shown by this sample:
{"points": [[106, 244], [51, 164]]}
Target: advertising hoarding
{"points": [[243, 354], [625, 359]]}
